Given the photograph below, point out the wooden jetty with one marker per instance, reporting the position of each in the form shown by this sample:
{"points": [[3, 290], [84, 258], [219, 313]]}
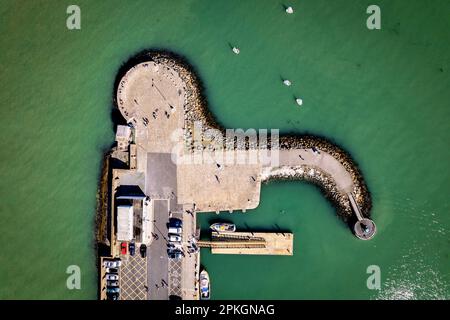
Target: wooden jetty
{"points": [[256, 243]]}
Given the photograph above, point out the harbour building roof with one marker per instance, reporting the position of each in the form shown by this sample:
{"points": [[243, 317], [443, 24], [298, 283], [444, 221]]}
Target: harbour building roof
{"points": [[125, 223]]}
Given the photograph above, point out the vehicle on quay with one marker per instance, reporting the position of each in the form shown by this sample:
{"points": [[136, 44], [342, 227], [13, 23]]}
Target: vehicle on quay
{"points": [[112, 270], [112, 290], [193, 248], [112, 283], [143, 250], [131, 248], [123, 248], [174, 246], [112, 296], [114, 277], [223, 227], [174, 254], [111, 263], [205, 288], [175, 223], [175, 230], [174, 238]]}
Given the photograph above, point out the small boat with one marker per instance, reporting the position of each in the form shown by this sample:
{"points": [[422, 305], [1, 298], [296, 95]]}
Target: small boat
{"points": [[205, 289], [299, 101], [289, 10], [223, 227], [287, 83], [236, 50]]}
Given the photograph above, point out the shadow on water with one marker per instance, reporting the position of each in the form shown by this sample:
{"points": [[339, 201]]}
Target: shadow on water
{"points": [[117, 119]]}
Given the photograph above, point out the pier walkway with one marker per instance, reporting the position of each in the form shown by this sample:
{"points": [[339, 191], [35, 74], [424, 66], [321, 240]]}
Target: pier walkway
{"points": [[364, 228], [315, 159], [257, 243], [231, 244]]}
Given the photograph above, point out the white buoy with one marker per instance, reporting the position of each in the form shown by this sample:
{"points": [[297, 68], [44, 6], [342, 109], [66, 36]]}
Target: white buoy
{"points": [[289, 10], [287, 82], [236, 50], [299, 101]]}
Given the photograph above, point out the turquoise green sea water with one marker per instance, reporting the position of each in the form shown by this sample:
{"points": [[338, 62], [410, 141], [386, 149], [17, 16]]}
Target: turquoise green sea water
{"points": [[383, 95]]}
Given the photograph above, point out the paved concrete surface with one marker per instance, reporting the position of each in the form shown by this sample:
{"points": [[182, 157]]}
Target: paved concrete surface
{"points": [[133, 277], [322, 160], [157, 253]]}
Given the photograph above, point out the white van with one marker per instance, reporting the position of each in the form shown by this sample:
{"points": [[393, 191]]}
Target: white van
{"points": [[174, 238], [175, 230]]}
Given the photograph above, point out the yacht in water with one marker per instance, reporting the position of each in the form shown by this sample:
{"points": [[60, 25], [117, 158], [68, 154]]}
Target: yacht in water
{"points": [[223, 227], [205, 289], [289, 10]]}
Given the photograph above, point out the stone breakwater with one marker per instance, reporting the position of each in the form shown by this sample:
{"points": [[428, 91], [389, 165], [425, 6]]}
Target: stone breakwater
{"points": [[316, 176], [196, 110], [101, 222], [360, 191]]}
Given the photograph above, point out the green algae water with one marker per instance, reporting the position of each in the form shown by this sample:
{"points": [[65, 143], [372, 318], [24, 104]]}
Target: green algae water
{"points": [[382, 95]]}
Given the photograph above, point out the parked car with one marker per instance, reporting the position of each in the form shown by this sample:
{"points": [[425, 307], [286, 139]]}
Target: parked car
{"points": [[174, 245], [112, 283], [112, 290], [132, 248], [174, 238], [175, 223], [143, 250], [112, 270], [111, 263], [174, 254], [123, 248], [175, 230], [193, 248], [114, 277], [112, 296]]}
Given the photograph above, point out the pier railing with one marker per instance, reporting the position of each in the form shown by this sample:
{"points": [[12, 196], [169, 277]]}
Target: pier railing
{"points": [[233, 237], [228, 244]]}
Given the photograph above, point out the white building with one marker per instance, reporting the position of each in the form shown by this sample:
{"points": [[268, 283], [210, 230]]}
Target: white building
{"points": [[123, 137], [124, 223]]}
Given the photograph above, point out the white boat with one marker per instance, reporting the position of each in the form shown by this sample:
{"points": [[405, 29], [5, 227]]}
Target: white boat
{"points": [[205, 288], [287, 83], [299, 101], [289, 10], [223, 227], [236, 50]]}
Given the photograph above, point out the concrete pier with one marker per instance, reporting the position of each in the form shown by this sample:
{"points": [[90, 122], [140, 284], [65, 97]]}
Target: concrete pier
{"points": [[364, 228], [168, 172]]}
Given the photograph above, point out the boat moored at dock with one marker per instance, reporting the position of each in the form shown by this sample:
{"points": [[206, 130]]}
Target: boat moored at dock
{"points": [[205, 286], [223, 227]]}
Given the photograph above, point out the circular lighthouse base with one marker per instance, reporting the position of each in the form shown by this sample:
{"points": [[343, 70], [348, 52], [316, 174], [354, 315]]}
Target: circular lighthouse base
{"points": [[365, 229]]}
